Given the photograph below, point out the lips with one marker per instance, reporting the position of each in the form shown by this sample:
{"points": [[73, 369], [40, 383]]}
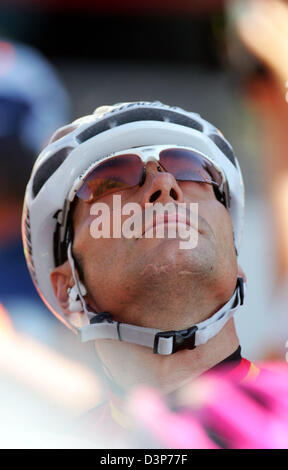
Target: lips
{"points": [[179, 217]]}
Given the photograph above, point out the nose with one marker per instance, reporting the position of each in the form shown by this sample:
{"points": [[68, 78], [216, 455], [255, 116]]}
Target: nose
{"points": [[160, 186]]}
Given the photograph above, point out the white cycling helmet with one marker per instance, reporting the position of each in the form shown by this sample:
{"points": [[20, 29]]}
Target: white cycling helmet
{"points": [[48, 195]]}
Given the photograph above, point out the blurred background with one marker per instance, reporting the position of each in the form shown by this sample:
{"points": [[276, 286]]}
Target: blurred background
{"points": [[227, 60]]}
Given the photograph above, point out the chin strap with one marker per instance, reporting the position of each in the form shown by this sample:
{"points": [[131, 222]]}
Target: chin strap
{"points": [[102, 326]]}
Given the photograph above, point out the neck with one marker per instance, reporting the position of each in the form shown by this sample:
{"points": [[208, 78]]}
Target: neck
{"points": [[137, 365]]}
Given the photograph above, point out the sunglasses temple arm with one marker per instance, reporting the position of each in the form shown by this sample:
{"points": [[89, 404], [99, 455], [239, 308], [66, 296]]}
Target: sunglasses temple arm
{"points": [[219, 193], [143, 177]]}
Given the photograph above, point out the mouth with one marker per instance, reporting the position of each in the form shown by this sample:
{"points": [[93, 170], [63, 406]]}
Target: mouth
{"points": [[174, 219]]}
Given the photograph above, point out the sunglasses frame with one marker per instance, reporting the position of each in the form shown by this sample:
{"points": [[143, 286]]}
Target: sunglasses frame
{"points": [[146, 153]]}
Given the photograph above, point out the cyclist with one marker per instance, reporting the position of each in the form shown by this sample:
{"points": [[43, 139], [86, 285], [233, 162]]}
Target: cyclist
{"points": [[158, 314]]}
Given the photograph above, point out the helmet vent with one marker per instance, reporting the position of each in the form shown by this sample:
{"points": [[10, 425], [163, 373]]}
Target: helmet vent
{"points": [[224, 147], [48, 168], [28, 244], [138, 114]]}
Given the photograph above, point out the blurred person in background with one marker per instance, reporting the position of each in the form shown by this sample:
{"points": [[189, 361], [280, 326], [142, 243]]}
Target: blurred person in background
{"points": [[160, 315], [262, 26], [42, 393], [33, 103]]}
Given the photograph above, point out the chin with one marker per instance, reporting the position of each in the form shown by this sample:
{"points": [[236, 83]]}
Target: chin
{"points": [[201, 258]]}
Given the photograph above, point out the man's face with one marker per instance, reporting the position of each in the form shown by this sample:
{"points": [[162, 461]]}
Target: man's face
{"points": [[152, 282]]}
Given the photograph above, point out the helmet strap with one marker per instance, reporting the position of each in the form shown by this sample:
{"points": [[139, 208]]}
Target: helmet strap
{"points": [[78, 288]]}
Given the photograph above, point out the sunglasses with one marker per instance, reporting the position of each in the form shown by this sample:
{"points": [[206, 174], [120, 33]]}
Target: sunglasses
{"points": [[124, 170]]}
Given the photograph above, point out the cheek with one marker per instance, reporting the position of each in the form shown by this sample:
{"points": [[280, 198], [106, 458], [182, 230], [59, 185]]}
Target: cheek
{"points": [[97, 238], [209, 208], [98, 255], [226, 265], [219, 220], [102, 258]]}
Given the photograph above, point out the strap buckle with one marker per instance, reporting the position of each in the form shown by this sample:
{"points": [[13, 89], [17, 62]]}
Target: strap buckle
{"points": [[183, 339], [101, 317]]}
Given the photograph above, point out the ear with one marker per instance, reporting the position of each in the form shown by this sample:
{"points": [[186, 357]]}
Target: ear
{"points": [[62, 279], [241, 273]]}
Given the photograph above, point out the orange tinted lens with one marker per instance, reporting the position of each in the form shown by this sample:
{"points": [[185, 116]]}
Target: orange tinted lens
{"points": [[189, 165], [112, 175]]}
